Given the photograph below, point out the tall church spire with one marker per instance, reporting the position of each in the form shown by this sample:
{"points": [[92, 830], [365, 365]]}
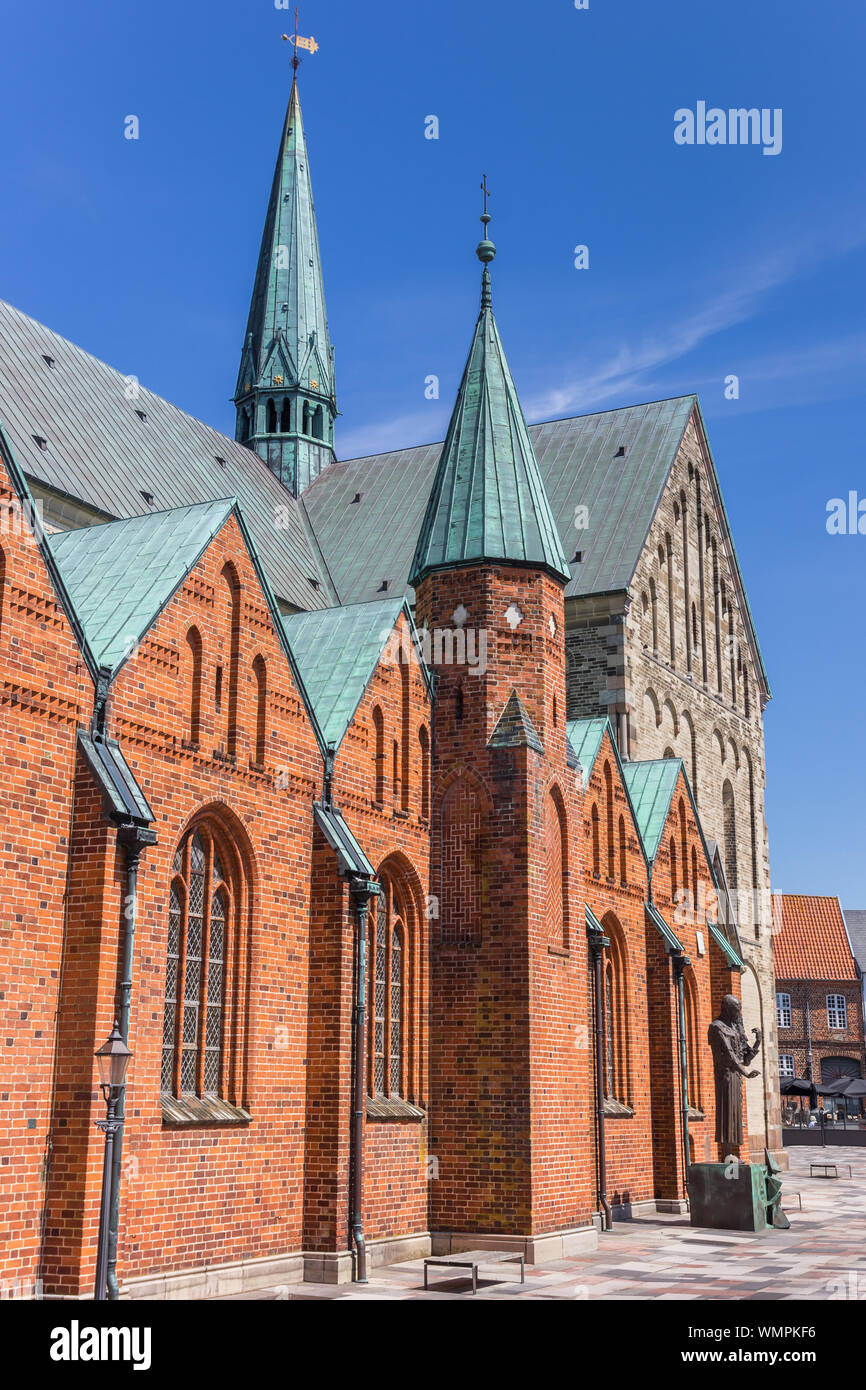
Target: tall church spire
{"points": [[285, 396], [488, 501]]}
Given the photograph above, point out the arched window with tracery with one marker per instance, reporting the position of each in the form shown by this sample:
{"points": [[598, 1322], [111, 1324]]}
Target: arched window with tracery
{"points": [[693, 1050], [389, 1024], [203, 903], [615, 1005]]}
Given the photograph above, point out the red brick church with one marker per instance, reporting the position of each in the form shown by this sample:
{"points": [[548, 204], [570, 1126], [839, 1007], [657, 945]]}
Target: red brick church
{"points": [[407, 958]]}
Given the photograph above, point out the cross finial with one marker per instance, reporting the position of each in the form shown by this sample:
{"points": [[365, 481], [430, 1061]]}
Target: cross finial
{"points": [[485, 250], [486, 194]]}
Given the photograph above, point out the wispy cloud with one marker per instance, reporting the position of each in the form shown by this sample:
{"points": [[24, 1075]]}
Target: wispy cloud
{"points": [[626, 369], [399, 432]]}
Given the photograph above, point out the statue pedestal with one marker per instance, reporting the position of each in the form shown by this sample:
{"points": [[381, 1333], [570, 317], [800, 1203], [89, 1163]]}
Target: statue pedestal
{"points": [[728, 1196]]}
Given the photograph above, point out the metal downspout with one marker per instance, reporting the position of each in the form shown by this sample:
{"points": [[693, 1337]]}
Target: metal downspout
{"points": [[133, 839], [362, 891], [680, 963], [596, 946]]}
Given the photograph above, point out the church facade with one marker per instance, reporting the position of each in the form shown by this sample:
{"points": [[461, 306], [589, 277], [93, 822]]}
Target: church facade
{"points": [[399, 810]]}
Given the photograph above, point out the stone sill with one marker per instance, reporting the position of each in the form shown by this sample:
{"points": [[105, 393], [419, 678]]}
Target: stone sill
{"points": [[387, 1108], [187, 1110], [695, 1114], [559, 951], [616, 1110]]}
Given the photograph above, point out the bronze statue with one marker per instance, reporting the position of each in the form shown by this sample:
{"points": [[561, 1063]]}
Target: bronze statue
{"points": [[732, 1053]]}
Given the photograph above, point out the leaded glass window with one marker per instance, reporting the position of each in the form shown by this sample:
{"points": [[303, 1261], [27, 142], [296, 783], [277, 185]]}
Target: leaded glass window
{"points": [[379, 1015], [195, 984], [396, 1011], [387, 1030], [608, 1032], [169, 1023]]}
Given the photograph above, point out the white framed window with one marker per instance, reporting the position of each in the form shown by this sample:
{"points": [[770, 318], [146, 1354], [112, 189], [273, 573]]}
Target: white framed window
{"points": [[837, 1012], [783, 1010], [786, 1066]]}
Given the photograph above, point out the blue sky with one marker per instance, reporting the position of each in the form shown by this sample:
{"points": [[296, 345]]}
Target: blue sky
{"points": [[704, 261]]}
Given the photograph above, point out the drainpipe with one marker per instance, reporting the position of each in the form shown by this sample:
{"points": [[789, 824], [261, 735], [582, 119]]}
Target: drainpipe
{"points": [[133, 838], [597, 944], [362, 890], [680, 962]]}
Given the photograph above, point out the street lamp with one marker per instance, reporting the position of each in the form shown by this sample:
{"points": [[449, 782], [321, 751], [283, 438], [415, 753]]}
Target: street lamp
{"points": [[113, 1060]]}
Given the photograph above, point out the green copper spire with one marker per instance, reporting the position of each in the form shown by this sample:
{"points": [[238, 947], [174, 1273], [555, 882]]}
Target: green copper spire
{"points": [[285, 395], [488, 501]]}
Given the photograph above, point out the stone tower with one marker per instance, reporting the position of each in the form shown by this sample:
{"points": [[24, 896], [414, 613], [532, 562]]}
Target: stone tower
{"points": [[285, 395]]}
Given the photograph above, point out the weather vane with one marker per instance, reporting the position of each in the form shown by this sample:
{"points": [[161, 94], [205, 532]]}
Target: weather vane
{"points": [[300, 42]]}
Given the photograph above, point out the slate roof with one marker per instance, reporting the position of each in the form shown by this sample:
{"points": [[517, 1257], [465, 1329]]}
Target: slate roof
{"points": [[579, 464], [97, 449], [121, 574], [488, 501], [336, 651], [811, 942], [855, 921], [651, 787]]}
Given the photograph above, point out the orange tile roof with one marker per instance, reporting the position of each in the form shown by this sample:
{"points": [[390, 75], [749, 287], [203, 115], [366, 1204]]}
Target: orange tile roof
{"points": [[811, 943]]}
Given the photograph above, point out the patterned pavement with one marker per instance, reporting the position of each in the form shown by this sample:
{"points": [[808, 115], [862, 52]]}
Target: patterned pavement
{"points": [[823, 1256]]}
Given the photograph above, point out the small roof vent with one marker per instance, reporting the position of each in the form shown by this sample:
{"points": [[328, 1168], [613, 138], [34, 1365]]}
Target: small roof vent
{"points": [[220, 461], [383, 587], [357, 497], [148, 497], [314, 582], [41, 441], [620, 453], [577, 557], [141, 415], [49, 361]]}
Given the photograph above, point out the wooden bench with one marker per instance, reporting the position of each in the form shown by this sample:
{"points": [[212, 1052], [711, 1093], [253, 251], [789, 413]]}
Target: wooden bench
{"points": [[473, 1259]]}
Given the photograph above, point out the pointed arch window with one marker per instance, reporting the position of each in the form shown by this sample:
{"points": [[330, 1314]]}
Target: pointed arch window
{"points": [[379, 755], [596, 850], [424, 741], [193, 641], [608, 800], [306, 418], [271, 417], [261, 677], [202, 906], [617, 1084], [286, 416], [318, 423], [389, 1026]]}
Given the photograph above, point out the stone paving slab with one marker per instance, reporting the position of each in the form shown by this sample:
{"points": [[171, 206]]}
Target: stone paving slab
{"points": [[660, 1256]]}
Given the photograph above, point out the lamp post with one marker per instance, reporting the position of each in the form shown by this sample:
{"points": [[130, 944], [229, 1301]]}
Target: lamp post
{"points": [[113, 1060]]}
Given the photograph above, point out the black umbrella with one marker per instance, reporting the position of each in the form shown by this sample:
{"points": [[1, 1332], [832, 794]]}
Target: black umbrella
{"points": [[845, 1087], [795, 1086]]}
